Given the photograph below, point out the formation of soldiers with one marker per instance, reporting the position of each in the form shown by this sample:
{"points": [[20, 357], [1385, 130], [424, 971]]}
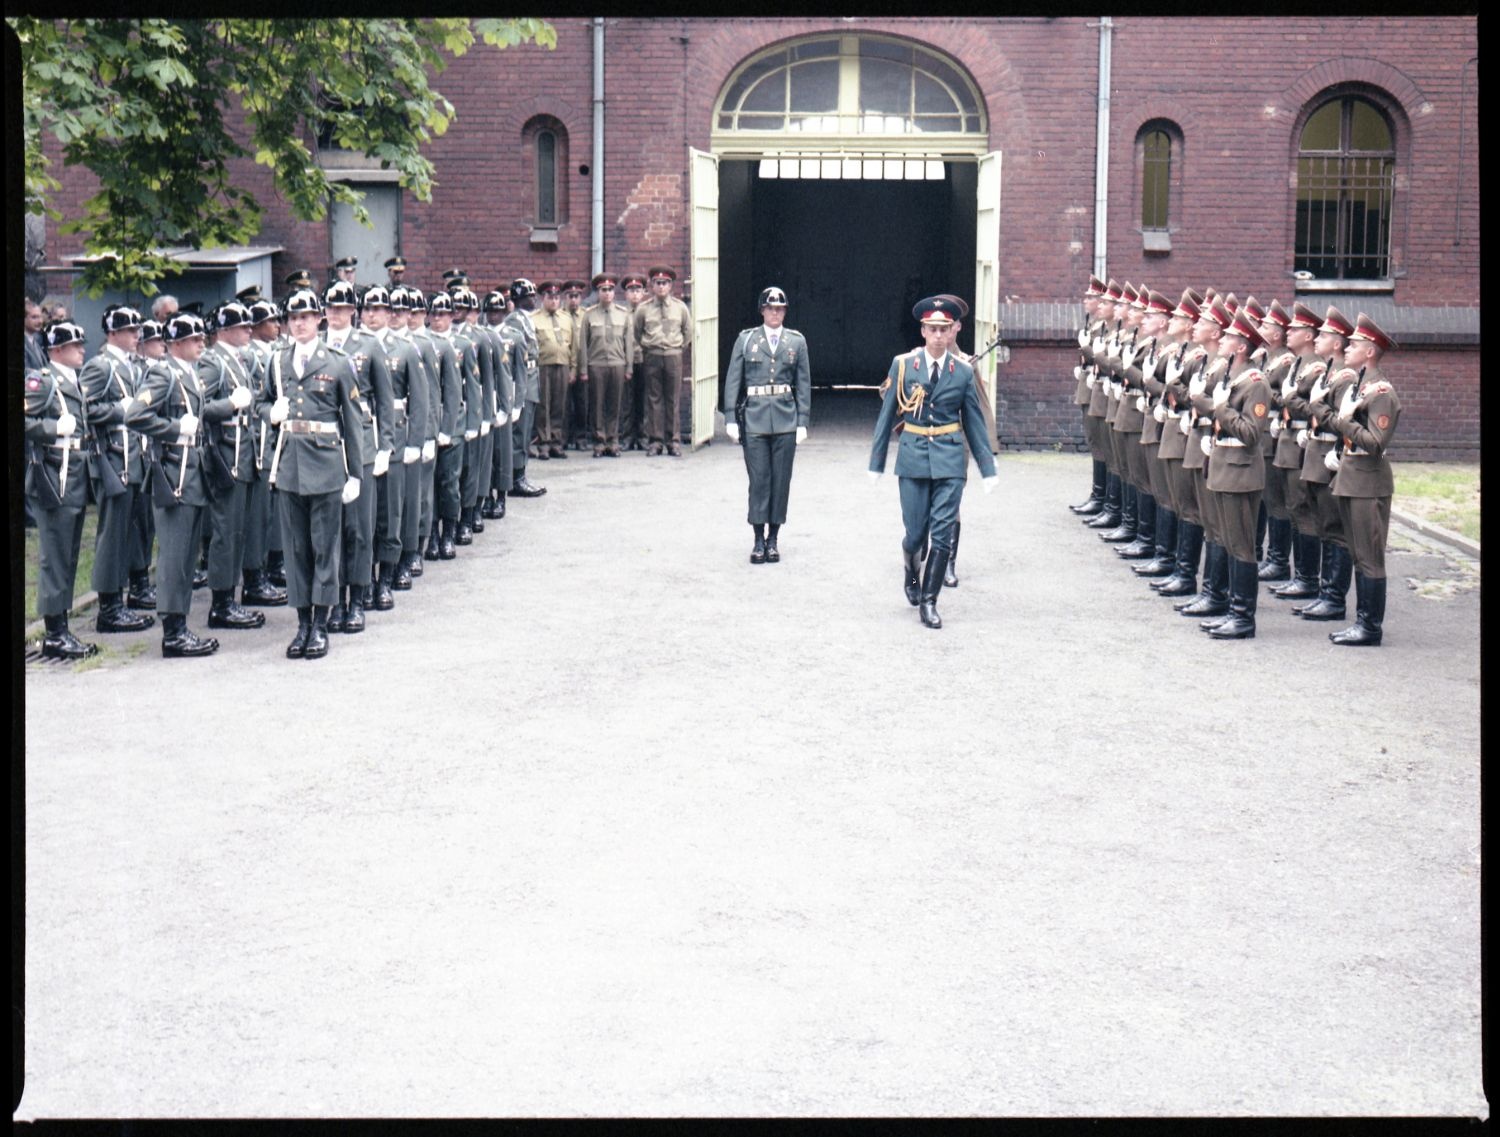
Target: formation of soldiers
{"points": [[1243, 441], [316, 452]]}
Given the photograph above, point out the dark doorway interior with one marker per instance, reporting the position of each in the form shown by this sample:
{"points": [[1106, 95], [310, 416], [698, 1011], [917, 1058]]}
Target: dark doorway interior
{"points": [[853, 257]]}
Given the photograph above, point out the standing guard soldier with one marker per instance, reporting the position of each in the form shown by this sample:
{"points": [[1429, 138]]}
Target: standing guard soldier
{"points": [[510, 379], [459, 387], [632, 398], [395, 270], [1296, 384], [606, 343], [423, 401], [479, 354], [109, 384], [580, 417], [230, 387], [767, 406], [556, 358], [142, 594], [1366, 419], [1213, 598], [344, 270], [1130, 424], [315, 465], [1106, 331], [1142, 369], [933, 395], [298, 278], [1236, 471], [663, 327], [1083, 395], [57, 438], [1174, 364], [528, 394], [263, 553], [170, 409], [1317, 441], [372, 395], [1279, 362]]}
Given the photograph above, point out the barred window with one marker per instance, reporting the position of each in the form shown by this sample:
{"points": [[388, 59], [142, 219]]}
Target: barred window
{"points": [[1346, 179]]}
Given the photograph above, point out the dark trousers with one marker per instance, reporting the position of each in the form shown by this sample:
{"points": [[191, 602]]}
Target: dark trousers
{"points": [[424, 515], [1275, 493], [179, 533], [1236, 519], [312, 536], [468, 475], [631, 402], [257, 508], [520, 439], [449, 463], [768, 460], [929, 507], [142, 529], [1367, 523], [484, 465], [1093, 432], [226, 526], [1208, 507], [359, 531], [112, 540], [552, 410], [501, 458], [60, 532], [390, 496], [663, 379], [607, 385], [415, 478], [1133, 454], [580, 411], [1326, 510]]}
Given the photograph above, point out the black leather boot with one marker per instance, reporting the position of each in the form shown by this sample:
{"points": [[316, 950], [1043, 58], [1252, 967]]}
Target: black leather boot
{"points": [[500, 506], [317, 634], [1307, 567], [758, 551], [1244, 588], [384, 599], [60, 643], [462, 530], [1214, 599], [1184, 578], [1095, 501], [225, 613], [141, 595], [911, 564], [1370, 619], [179, 643], [113, 616], [525, 487], [1109, 516], [1124, 533], [431, 552], [488, 510], [932, 584], [1163, 561], [354, 614], [256, 588], [335, 621], [950, 576], [476, 523], [401, 578], [1277, 565], [446, 549], [298, 646], [276, 567], [1333, 589], [1143, 547], [773, 554]]}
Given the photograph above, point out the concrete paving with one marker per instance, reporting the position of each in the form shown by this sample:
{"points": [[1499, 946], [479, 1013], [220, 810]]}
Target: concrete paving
{"points": [[604, 820]]}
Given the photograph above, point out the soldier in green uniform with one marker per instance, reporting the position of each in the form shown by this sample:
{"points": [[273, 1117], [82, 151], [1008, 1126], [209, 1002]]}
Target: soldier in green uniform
{"points": [[1181, 555], [1136, 542], [555, 358], [109, 382], [57, 437], [510, 378], [932, 394], [632, 397], [1278, 363], [1213, 596], [767, 406], [478, 357], [422, 403], [230, 386], [521, 322], [316, 465], [457, 370], [605, 345], [142, 593], [663, 327], [395, 271], [265, 566], [1365, 419], [170, 409], [580, 415], [1106, 329]]}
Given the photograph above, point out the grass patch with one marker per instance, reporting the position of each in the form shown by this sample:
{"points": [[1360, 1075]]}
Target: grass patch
{"points": [[1444, 493]]}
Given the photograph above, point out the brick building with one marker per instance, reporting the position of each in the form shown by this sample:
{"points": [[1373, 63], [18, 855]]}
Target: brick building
{"points": [[860, 163]]}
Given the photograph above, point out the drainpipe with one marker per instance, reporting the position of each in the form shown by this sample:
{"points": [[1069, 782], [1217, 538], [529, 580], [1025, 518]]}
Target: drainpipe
{"points": [[596, 243], [1101, 153]]}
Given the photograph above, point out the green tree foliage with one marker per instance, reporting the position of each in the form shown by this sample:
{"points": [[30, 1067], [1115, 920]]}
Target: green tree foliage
{"points": [[158, 109]]}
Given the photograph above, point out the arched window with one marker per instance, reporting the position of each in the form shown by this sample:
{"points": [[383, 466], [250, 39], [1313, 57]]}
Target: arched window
{"points": [[1346, 179], [546, 152], [1158, 152], [546, 177]]}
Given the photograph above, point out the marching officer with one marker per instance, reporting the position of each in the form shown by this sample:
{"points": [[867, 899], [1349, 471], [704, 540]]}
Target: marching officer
{"points": [[605, 345], [663, 328], [528, 394], [230, 386], [316, 465], [109, 383], [932, 394], [372, 394], [767, 406], [1365, 419], [57, 437], [170, 408]]}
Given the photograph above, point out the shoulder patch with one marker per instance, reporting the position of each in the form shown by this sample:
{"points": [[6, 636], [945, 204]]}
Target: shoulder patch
{"points": [[1260, 410], [1383, 422], [144, 398], [33, 382]]}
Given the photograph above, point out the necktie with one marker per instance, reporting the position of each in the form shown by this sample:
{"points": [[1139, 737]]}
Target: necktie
{"points": [[775, 339], [299, 364]]}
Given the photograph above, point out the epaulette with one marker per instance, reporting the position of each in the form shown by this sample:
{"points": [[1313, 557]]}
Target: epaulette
{"points": [[34, 380], [335, 350], [1345, 372], [1379, 387], [1193, 354]]}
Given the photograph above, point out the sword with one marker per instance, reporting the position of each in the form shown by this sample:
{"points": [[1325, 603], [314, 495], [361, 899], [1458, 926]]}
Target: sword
{"points": [[182, 465], [281, 426], [124, 431]]}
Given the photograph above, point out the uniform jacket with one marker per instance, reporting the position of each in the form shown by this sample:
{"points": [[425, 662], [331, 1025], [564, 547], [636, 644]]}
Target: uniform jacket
{"points": [[754, 364], [523, 325], [48, 391], [1202, 368], [510, 369], [466, 358], [1322, 400], [107, 380], [1169, 379], [445, 390], [1081, 391], [170, 389], [316, 463], [663, 327], [373, 390], [403, 363], [1364, 470], [948, 397], [554, 340], [1242, 468], [221, 369], [607, 336], [1293, 383]]}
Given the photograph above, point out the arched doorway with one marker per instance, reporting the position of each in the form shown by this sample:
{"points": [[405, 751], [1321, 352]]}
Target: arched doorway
{"points": [[853, 171]]}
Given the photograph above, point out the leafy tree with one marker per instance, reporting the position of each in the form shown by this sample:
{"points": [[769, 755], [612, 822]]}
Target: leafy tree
{"points": [[158, 109]]}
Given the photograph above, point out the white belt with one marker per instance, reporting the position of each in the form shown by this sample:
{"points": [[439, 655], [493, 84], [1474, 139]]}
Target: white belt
{"points": [[1204, 420], [1358, 452], [72, 442], [310, 426], [399, 404], [769, 389], [1228, 442], [1323, 436], [1299, 424]]}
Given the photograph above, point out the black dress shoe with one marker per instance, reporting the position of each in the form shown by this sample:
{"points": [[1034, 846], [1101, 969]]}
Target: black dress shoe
{"points": [[500, 507], [259, 591], [414, 566], [1273, 571], [1104, 520], [654, 450], [1119, 535], [401, 577], [1137, 550], [487, 510], [1088, 508], [673, 450], [382, 598], [186, 645], [317, 635], [464, 535], [1205, 606], [1296, 589], [1156, 566], [354, 614], [557, 452], [228, 614], [298, 646], [336, 618], [432, 552], [1233, 627], [758, 554], [446, 549], [1178, 586], [113, 616], [1320, 609], [200, 578], [773, 554], [525, 487], [141, 595], [60, 643]]}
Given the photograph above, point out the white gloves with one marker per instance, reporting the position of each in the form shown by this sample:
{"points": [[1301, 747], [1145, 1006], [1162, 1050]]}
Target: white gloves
{"points": [[470, 435], [1349, 402], [1302, 438], [1207, 444], [1088, 380], [1288, 388], [1318, 391], [351, 490], [443, 439], [501, 418], [429, 450], [279, 410], [187, 426], [1185, 422], [990, 483], [67, 424], [1159, 412], [382, 462], [802, 434], [1127, 357], [239, 398], [1275, 427], [127, 404], [1174, 370], [874, 475], [1331, 459], [1221, 395], [733, 430], [484, 427], [410, 454], [1140, 403], [1078, 372]]}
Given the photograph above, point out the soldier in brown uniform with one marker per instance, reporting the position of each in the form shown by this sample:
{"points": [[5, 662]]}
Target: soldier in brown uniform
{"points": [[1277, 363], [1110, 316], [1365, 418], [1082, 394], [580, 425], [1236, 470], [1130, 422], [555, 358], [663, 328], [1144, 375], [1130, 322], [1317, 440], [1213, 597], [605, 347], [1174, 369], [1296, 384], [632, 397]]}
